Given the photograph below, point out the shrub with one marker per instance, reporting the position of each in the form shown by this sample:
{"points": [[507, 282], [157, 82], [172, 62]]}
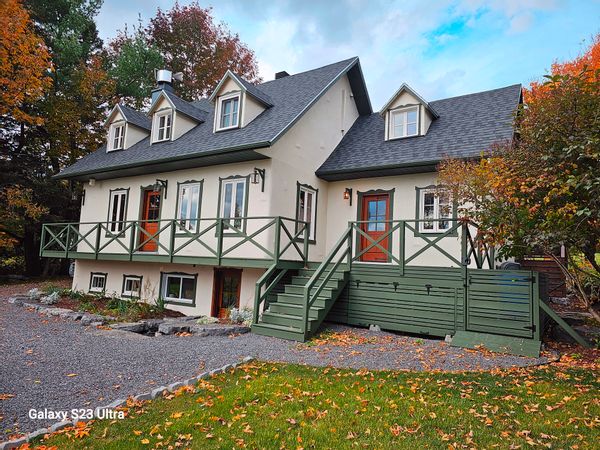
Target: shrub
{"points": [[160, 304], [206, 320], [243, 315]]}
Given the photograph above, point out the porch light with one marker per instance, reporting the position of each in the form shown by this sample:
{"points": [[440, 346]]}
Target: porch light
{"points": [[160, 185], [257, 176], [348, 195]]}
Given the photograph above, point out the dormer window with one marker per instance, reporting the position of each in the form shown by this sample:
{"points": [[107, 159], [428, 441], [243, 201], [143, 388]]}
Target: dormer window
{"points": [[117, 137], [228, 112], [163, 122], [404, 122]]}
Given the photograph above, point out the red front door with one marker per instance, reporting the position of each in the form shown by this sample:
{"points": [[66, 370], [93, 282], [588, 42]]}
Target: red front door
{"points": [[375, 210], [150, 223]]}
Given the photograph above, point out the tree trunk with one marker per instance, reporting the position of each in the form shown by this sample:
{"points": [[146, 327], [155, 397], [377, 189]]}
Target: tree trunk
{"points": [[33, 266]]}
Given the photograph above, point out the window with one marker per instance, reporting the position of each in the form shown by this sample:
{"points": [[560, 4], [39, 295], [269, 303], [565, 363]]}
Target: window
{"points": [[97, 282], [117, 210], [233, 200], [306, 209], [404, 123], [435, 206], [117, 141], [228, 112], [188, 206], [179, 288], [163, 123], [132, 286]]}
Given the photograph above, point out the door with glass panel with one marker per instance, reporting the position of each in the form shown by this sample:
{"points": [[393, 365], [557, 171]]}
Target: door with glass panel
{"points": [[226, 291], [375, 214], [150, 221]]}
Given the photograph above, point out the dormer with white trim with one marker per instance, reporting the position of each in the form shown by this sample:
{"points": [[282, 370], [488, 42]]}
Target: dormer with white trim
{"points": [[407, 114], [172, 117], [125, 127], [237, 102]]}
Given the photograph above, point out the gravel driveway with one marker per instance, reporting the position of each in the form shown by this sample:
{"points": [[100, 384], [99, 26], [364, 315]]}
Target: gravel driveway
{"points": [[47, 362]]}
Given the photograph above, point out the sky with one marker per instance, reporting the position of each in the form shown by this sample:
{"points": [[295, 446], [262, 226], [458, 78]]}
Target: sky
{"points": [[441, 48]]}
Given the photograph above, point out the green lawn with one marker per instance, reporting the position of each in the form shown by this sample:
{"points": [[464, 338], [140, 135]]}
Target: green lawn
{"points": [[289, 406]]}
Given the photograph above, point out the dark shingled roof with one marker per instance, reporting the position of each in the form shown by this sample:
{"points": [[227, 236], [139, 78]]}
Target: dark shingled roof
{"points": [[186, 108], [256, 92], [467, 125], [291, 96], [136, 117]]}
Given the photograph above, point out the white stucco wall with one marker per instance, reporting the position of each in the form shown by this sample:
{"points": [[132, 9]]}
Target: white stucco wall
{"points": [[133, 135], [150, 273]]}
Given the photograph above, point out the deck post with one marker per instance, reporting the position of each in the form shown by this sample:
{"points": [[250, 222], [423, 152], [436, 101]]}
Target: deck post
{"points": [[67, 241], [219, 240], [42, 239], [306, 238], [277, 243], [402, 245], [172, 241], [535, 304], [132, 239], [349, 257], [464, 272], [98, 233]]}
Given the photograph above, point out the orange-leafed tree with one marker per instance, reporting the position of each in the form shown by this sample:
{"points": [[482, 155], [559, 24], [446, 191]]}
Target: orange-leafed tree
{"points": [[24, 63], [542, 190]]}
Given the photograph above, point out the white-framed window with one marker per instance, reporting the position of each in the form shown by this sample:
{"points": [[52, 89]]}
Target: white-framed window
{"points": [[435, 206], [228, 112], [117, 137], [404, 122], [117, 210], [306, 208], [163, 124], [179, 288], [233, 199], [189, 206], [132, 286], [97, 282]]}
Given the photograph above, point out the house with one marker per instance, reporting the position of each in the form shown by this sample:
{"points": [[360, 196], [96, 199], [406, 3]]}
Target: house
{"points": [[295, 198]]}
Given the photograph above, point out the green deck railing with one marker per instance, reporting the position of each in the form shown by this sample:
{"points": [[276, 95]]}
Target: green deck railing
{"points": [[271, 240]]}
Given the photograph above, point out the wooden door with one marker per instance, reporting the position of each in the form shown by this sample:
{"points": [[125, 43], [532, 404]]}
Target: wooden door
{"points": [[226, 291], [150, 221], [376, 210]]}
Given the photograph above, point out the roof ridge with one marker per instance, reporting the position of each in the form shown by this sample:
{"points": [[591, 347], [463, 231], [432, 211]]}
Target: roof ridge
{"points": [[476, 93], [308, 71]]}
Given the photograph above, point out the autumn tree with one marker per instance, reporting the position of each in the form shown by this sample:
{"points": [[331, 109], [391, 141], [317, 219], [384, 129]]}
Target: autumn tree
{"points": [[190, 42], [542, 190]]}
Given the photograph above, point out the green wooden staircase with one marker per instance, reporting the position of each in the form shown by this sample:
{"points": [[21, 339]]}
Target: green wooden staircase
{"points": [[293, 307]]}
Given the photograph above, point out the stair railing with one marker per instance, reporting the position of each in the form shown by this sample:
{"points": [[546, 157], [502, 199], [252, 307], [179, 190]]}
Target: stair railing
{"points": [[260, 296], [327, 268]]}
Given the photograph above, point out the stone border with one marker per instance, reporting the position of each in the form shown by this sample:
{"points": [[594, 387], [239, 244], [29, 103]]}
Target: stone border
{"points": [[64, 313], [157, 392]]}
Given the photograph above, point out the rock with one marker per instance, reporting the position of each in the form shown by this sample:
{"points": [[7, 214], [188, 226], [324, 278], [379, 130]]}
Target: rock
{"points": [[375, 328], [59, 311], [60, 425], [158, 392], [142, 397], [203, 376], [172, 328], [97, 324], [50, 299], [134, 327], [248, 359], [215, 372], [37, 433], [227, 368], [174, 386], [190, 382], [448, 339], [15, 300], [15, 443], [66, 315], [89, 319], [117, 403]]}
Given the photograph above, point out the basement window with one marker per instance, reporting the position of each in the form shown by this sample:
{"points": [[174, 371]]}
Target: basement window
{"points": [[97, 282], [132, 286], [179, 288]]}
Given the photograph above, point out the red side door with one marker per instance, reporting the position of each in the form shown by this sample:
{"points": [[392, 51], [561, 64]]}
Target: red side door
{"points": [[375, 210], [150, 223]]}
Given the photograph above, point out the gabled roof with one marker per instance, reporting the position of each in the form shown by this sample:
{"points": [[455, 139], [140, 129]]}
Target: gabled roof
{"points": [[467, 126], [245, 86], [407, 88], [179, 105], [131, 116], [292, 96]]}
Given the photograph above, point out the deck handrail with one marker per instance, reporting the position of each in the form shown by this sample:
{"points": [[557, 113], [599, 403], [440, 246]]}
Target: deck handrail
{"points": [[308, 297], [63, 239]]}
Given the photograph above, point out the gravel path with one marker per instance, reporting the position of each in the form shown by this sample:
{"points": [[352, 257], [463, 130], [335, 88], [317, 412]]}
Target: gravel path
{"points": [[39, 355]]}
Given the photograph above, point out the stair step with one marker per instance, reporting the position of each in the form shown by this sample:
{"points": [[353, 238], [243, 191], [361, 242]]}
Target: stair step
{"points": [[338, 274], [299, 280], [287, 320], [298, 299], [299, 289], [315, 312], [278, 331]]}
